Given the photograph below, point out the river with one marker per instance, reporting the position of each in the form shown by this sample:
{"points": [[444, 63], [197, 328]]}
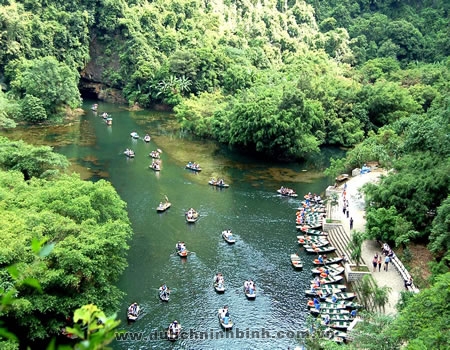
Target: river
{"points": [[262, 221]]}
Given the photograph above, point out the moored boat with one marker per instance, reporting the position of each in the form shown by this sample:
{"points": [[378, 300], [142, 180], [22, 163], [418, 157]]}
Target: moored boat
{"points": [[191, 215], [339, 324], [325, 290], [224, 318], [250, 289], [310, 239], [328, 261], [174, 330], [316, 244], [329, 280], [329, 270], [342, 177], [309, 226], [219, 183], [337, 297], [134, 135], [311, 232], [228, 236], [147, 138], [321, 250], [296, 261], [193, 166], [133, 312], [129, 153]]}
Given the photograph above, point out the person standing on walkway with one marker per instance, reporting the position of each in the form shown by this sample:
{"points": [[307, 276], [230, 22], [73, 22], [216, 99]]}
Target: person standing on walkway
{"points": [[351, 223], [348, 212], [375, 262], [386, 263], [379, 263]]}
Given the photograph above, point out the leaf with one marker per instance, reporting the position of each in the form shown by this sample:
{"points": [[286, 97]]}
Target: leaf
{"points": [[46, 250], [32, 282], [5, 334], [12, 270]]}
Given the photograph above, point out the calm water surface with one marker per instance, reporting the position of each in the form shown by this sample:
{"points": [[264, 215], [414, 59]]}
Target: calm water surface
{"points": [[262, 221]]}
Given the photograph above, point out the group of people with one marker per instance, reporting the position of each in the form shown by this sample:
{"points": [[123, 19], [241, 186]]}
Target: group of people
{"points": [[312, 198], [225, 315], [286, 191], [249, 287], [133, 309], [155, 165], [154, 154], [193, 165], [181, 247], [191, 214], [164, 291], [218, 279], [129, 152], [174, 328]]}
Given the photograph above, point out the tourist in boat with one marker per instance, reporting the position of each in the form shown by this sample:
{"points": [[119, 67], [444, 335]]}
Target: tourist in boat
{"points": [[320, 258], [133, 309]]}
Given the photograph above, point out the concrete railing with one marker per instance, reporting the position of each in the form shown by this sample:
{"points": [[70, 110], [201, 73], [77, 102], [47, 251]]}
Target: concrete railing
{"points": [[401, 269]]}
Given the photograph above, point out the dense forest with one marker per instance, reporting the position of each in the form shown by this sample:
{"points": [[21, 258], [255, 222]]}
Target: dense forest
{"points": [[281, 78]]}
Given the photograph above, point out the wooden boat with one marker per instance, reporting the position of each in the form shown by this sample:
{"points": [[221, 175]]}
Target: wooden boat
{"points": [[309, 226], [225, 319], [310, 239], [328, 261], [325, 290], [191, 216], [311, 232], [321, 311], [296, 261], [147, 138], [342, 177], [337, 297], [339, 324], [133, 312], [329, 280], [228, 236], [129, 153], [336, 317], [329, 271], [333, 269], [317, 244], [321, 250], [94, 107], [164, 294], [163, 206], [174, 331], [219, 287], [220, 183], [193, 166], [154, 154], [250, 292], [181, 250], [134, 135], [288, 192], [155, 166]]}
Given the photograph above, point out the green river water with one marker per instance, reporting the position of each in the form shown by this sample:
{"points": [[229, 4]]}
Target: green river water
{"points": [[262, 221]]}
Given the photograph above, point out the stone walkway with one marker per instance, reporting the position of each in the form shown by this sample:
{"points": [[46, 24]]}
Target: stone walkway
{"points": [[391, 278]]}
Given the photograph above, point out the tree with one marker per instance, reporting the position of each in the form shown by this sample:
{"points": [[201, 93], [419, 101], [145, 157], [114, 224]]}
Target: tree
{"points": [[32, 109], [54, 83], [423, 323], [355, 246], [89, 227], [31, 161]]}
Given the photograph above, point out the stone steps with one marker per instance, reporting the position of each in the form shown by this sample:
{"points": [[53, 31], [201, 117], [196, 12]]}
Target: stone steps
{"points": [[339, 239]]}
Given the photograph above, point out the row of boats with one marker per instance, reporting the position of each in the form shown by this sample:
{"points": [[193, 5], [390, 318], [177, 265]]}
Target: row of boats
{"points": [[329, 300]]}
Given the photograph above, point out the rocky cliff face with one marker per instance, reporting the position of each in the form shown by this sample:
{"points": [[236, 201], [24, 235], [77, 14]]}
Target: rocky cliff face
{"points": [[94, 82]]}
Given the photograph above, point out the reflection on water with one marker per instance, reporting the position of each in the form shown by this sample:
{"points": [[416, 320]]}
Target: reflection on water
{"points": [[263, 223]]}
